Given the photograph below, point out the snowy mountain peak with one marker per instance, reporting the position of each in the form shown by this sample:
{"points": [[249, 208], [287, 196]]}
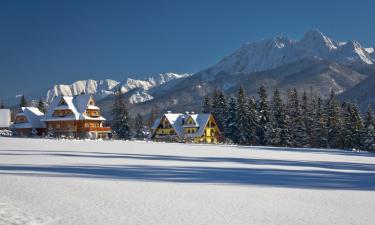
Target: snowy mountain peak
{"points": [[271, 53], [317, 39], [103, 88]]}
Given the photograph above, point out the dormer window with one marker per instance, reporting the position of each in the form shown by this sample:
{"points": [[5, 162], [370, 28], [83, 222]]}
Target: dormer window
{"points": [[92, 113], [21, 119], [62, 102]]}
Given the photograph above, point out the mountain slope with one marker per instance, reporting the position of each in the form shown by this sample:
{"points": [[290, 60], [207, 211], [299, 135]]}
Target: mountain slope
{"points": [[278, 51], [317, 74], [316, 61], [363, 93], [99, 88]]}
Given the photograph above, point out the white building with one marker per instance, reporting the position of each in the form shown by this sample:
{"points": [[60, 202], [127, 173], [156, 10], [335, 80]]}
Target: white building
{"points": [[4, 118]]}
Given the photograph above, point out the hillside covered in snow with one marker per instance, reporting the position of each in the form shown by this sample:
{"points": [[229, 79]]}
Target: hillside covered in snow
{"points": [[57, 182], [278, 51], [140, 88]]}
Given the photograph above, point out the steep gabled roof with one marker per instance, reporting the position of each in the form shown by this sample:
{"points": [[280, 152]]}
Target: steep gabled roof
{"points": [[77, 104], [156, 123], [201, 121], [175, 119], [33, 116]]}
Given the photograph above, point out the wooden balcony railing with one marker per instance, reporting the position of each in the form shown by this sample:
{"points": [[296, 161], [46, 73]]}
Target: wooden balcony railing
{"points": [[108, 129]]}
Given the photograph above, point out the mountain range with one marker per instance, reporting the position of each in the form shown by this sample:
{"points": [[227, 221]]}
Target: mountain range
{"points": [[315, 62], [137, 89]]}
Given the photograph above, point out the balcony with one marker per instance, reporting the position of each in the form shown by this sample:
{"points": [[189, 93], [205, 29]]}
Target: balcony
{"points": [[97, 129]]}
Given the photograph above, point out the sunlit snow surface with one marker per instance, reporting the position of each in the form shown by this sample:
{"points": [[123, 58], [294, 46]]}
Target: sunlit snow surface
{"points": [[115, 182]]}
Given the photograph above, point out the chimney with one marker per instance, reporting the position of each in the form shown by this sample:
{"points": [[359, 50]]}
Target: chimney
{"points": [[169, 112]]}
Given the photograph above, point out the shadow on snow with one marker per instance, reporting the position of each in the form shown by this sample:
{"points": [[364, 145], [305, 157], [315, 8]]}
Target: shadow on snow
{"points": [[310, 174]]}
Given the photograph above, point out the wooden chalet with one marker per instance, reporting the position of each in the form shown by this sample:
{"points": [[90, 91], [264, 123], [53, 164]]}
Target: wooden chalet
{"points": [[27, 122], [197, 128], [75, 117]]}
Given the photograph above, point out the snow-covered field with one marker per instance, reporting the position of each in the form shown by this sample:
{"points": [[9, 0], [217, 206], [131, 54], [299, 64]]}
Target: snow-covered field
{"points": [[105, 183]]}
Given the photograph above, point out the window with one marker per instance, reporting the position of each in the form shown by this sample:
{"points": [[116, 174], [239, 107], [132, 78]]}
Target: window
{"points": [[62, 102], [58, 125], [87, 125]]}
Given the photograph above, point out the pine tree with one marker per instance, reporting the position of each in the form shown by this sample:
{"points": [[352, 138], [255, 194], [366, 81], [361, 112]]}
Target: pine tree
{"points": [[318, 137], [40, 106], [2, 106], [264, 129], [334, 125], [23, 102], [280, 134], [206, 104], [368, 131], [244, 119], [139, 127], [241, 112], [298, 129], [120, 123], [352, 127], [252, 122], [219, 109], [230, 123], [307, 115], [357, 125]]}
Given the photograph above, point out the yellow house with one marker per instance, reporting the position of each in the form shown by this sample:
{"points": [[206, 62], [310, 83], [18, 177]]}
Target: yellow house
{"points": [[189, 127]]}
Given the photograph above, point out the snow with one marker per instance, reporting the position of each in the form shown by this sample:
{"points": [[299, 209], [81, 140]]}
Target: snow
{"points": [[86, 86], [369, 50], [103, 88], [272, 53], [33, 116], [115, 182], [140, 96], [77, 104]]}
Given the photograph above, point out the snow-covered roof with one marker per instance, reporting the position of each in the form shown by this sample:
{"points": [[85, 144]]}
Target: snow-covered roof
{"points": [[4, 118], [156, 123], [77, 104], [92, 107], [201, 120], [175, 119], [33, 116]]}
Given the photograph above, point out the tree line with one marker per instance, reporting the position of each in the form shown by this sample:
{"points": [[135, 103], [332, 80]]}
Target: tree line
{"points": [[123, 126], [297, 120]]}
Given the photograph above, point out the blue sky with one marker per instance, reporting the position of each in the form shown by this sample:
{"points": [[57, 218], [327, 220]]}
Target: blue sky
{"points": [[47, 42]]}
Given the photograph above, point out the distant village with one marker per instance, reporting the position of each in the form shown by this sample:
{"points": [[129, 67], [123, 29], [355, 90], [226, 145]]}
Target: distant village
{"points": [[296, 120], [78, 117]]}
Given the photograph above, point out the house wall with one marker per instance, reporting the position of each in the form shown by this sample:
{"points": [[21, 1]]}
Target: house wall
{"points": [[80, 129], [211, 132], [23, 132], [164, 128], [62, 113], [5, 117]]}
